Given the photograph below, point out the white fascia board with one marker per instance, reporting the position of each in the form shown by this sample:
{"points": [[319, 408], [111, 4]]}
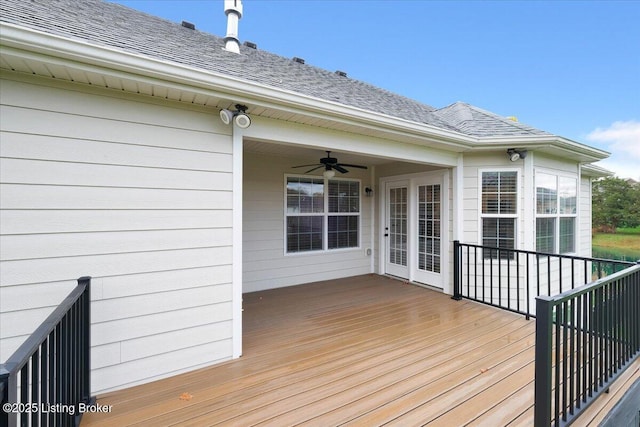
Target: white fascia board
{"points": [[533, 142], [595, 171]]}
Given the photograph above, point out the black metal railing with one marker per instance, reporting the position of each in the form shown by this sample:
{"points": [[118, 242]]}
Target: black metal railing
{"points": [[585, 338], [47, 380], [511, 279]]}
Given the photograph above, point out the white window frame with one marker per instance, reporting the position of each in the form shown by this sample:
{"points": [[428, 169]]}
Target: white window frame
{"points": [[515, 216], [325, 214], [557, 215]]}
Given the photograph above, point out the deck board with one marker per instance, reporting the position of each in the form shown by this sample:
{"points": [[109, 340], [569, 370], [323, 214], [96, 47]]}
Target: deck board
{"points": [[366, 350]]}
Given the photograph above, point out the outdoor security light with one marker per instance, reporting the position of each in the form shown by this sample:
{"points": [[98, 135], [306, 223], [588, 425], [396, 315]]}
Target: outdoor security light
{"points": [[515, 155], [226, 116], [240, 117]]}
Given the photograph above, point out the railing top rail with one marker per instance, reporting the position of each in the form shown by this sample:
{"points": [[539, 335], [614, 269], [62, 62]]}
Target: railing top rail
{"points": [[579, 258], [580, 290], [21, 356]]}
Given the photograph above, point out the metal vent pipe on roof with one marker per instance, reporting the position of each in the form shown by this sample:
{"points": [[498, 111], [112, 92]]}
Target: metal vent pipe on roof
{"points": [[233, 10]]}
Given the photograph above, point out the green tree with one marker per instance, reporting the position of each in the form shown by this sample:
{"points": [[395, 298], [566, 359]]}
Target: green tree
{"points": [[616, 203]]}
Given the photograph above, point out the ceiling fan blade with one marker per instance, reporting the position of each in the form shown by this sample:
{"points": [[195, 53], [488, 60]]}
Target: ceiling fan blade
{"points": [[352, 166], [304, 166], [339, 168], [317, 167]]}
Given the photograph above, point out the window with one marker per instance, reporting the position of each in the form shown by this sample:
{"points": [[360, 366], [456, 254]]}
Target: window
{"points": [[499, 211], [556, 212], [322, 214]]}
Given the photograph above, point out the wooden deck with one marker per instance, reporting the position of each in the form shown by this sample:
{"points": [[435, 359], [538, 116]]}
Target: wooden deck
{"points": [[362, 351]]}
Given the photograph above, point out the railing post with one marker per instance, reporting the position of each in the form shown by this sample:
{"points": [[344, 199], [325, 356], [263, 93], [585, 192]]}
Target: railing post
{"points": [[4, 395], [457, 267], [85, 357], [544, 333]]}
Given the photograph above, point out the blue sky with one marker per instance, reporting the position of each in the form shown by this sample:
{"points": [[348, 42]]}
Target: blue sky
{"points": [[568, 67]]}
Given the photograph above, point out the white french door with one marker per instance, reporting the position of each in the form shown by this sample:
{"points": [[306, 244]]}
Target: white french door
{"points": [[396, 229], [415, 228]]}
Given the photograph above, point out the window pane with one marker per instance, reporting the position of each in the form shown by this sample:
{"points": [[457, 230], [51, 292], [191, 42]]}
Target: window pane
{"points": [[567, 235], [545, 235], [568, 195], [342, 232], [305, 195], [546, 194], [304, 233], [508, 182], [500, 233], [344, 196], [499, 192]]}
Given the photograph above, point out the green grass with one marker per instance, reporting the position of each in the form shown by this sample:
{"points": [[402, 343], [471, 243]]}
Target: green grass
{"points": [[635, 230], [624, 238]]}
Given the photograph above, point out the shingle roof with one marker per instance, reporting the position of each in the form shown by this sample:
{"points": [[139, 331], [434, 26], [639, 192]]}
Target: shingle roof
{"points": [[475, 121], [116, 26]]}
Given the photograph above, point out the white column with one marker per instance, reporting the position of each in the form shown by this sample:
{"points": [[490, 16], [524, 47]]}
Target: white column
{"points": [[237, 241]]}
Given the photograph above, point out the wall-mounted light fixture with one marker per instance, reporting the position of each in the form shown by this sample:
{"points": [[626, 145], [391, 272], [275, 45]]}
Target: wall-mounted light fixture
{"points": [[368, 191], [515, 154], [240, 116]]}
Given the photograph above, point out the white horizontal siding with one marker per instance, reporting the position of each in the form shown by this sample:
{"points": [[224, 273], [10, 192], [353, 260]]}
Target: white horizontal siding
{"points": [[51, 148], [265, 264], [44, 196], [153, 324], [136, 193], [20, 171], [29, 246], [74, 221], [160, 365]]}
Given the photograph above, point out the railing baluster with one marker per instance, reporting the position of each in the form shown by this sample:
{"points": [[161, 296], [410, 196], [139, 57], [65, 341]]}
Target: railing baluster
{"points": [[557, 360], [24, 390], [44, 378], [528, 291], [571, 327], [549, 275], [579, 328], [565, 356], [499, 277], [538, 274], [52, 372], [491, 277], [560, 274], [35, 384]]}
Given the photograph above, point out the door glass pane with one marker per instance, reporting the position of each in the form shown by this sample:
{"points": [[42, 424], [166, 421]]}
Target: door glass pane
{"points": [[398, 226], [429, 223]]}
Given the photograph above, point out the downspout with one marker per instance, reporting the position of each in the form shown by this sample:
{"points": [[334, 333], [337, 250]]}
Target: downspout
{"points": [[529, 218], [458, 200]]}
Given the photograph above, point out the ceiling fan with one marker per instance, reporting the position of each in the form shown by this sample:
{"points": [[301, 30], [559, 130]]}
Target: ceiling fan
{"points": [[330, 163]]}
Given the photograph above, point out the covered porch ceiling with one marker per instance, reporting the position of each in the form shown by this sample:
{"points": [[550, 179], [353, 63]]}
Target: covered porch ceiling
{"points": [[311, 154]]}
